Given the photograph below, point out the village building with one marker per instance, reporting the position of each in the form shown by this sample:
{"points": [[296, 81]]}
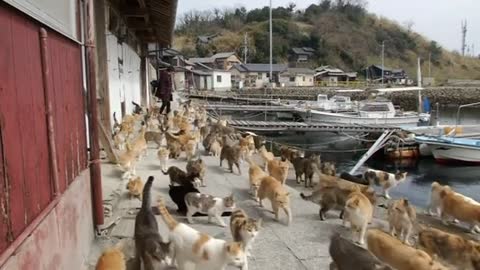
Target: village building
{"points": [[255, 75], [331, 76], [297, 77], [218, 61], [69, 61], [300, 54], [390, 75]]}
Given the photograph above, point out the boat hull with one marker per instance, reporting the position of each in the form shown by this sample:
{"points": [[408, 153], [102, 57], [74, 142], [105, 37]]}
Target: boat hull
{"points": [[448, 154], [338, 118]]}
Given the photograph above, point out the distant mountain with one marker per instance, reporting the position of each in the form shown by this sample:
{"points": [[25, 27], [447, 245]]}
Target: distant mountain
{"points": [[342, 33]]}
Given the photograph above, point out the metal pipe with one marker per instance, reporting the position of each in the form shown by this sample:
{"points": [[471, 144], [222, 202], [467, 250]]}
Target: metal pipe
{"points": [[383, 60], [461, 107], [95, 171], [48, 107]]}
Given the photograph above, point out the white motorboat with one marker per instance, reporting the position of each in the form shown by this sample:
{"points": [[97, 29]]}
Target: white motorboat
{"points": [[447, 149], [369, 113], [323, 103]]}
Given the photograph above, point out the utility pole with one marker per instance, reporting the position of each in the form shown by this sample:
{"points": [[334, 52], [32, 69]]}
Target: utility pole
{"points": [[430, 64], [383, 60], [464, 36], [270, 20], [245, 48]]}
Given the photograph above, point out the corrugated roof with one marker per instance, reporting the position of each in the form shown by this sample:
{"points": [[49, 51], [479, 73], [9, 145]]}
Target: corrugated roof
{"points": [[162, 13], [223, 55], [201, 60], [297, 71], [260, 67]]}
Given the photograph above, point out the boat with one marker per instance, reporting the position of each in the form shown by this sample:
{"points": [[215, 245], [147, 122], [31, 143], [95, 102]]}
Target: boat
{"points": [[336, 103], [370, 113], [447, 149]]}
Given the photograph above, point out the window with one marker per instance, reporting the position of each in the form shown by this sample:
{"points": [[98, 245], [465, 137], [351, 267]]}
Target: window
{"points": [[219, 78], [303, 78], [259, 76], [292, 79]]}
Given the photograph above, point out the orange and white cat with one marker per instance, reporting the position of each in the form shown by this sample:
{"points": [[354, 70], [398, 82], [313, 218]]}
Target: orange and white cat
{"points": [[135, 187], [200, 249], [266, 156], [127, 161], [455, 206], [359, 212], [112, 259], [255, 175], [278, 169], [270, 188], [401, 218], [398, 255], [163, 154]]}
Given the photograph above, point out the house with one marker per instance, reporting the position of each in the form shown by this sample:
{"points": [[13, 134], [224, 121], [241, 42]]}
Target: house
{"points": [[208, 78], [218, 61], [71, 64], [300, 55], [393, 76], [330, 76], [206, 39], [254, 75], [297, 77]]}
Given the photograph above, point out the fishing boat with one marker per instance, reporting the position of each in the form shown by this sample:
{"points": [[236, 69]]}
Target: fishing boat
{"points": [[369, 113], [447, 149], [336, 103]]}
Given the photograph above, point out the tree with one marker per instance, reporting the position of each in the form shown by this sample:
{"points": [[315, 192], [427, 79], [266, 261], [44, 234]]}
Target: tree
{"points": [[435, 52]]}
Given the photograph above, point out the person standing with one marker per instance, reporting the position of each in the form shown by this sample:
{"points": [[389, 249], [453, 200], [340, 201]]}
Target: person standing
{"points": [[165, 89]]}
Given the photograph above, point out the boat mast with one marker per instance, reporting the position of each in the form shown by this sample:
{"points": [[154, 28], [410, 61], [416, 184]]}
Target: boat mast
{"points": [[419, 84]]}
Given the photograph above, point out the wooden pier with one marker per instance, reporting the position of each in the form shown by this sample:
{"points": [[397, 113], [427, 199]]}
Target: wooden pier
{"points": [[301, 126], [248, 108]]}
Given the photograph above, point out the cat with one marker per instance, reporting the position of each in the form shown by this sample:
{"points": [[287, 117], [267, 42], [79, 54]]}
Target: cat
{"points": [[255, 175], [127, 162], [177, 194], [206, 252], [401, 218], [139, 144], [454, 249], [348, 256], [190, 149], [354, 178], [278, 169], [179, 177], [328, 168], [135, 187], [287, 153], [148, 243], [197, 167], [175, 149], [154, 136], [163, 155], [207, 204], [384, 179], [273, 190], [455, 206], [435, 201], [231, 154], [247, 145], [215, 148], [244, 229], [309, 166], [266, 156], [112, 259], [393, 252], [335, 197], [359, 212]]}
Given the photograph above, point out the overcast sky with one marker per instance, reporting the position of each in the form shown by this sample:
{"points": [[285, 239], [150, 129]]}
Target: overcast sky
{"points": [[438, 20]]}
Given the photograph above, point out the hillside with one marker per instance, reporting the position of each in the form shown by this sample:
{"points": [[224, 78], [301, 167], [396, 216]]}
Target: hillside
{"points": [[342, 33]]}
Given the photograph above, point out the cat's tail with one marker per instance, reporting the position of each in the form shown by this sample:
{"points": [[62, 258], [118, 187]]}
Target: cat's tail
{"points": [[115, 121], [146, 193], [169, 220], [165, 172], [305, 197]]}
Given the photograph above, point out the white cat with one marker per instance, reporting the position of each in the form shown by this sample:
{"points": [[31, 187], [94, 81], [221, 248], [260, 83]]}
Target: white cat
{"points": [[207, 204], [163, 154], [206, 252]]}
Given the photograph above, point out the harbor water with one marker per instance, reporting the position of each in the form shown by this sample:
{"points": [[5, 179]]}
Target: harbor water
{"points": [[346, 149]]}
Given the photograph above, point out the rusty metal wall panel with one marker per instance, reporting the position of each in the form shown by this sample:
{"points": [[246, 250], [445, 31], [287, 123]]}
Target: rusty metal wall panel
{"points": [[25, 171]]}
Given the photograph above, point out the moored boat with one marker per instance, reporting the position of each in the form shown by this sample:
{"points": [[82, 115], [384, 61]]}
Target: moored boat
{"points": [[450, 149]]}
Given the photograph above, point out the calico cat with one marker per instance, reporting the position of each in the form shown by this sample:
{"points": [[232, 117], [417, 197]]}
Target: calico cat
{"points": [[177, 194], [179, 177], [207, 204], [244, 229], [354, 178], [112, 259], [273, 190], [359, 212], [163, 155], [204, 251], [401, 218], [135, 187], [148, 244], [384, 179]]}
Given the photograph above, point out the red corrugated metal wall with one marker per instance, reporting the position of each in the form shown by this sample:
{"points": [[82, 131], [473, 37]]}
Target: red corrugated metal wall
{"points": [[25, 176]]}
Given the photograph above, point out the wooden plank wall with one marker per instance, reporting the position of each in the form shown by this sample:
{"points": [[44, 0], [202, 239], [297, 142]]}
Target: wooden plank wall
{"points": [[26, 186]]}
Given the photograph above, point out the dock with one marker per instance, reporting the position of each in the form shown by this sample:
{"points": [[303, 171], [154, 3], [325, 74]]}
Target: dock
{"points": [[302, 126], [247, 108]]}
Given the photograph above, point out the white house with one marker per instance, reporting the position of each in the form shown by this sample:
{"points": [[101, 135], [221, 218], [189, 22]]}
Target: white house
{"points": [[222, 80], [254, 75], [297, 77]]}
